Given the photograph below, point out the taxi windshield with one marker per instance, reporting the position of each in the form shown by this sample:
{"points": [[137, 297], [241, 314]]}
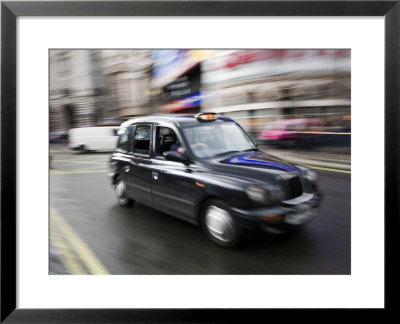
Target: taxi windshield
{"points": [[217, 139]]}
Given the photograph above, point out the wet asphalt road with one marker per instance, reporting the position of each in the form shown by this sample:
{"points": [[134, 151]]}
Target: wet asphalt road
{"points": [[140, 240]]}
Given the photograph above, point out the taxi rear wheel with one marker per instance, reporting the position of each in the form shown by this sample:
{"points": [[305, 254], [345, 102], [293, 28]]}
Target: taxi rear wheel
{"points": [[219, 224], [120, 192]]}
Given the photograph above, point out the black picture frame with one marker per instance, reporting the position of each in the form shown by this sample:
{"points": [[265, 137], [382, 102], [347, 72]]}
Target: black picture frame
{"points": [[10, 10]]}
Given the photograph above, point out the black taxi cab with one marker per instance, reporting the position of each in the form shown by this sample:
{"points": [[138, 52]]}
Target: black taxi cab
{"points": [[206, 170]]}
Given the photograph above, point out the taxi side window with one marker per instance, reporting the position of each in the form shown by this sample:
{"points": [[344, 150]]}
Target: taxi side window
{"points": [[166, 140], [141, 139], [123, 139]]}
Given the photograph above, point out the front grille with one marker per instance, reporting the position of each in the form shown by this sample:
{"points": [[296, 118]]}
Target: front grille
{"points": [[291, 184]]}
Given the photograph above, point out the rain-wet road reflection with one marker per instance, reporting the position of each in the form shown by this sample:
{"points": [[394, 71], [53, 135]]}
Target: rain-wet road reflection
{"points": [[140, 240]]}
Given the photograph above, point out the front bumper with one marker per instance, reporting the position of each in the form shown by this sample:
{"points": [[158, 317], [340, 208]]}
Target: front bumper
{"points": [[279, 218]]}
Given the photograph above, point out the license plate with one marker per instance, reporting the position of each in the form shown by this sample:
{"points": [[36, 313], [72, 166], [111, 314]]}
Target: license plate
{"points": [[300, 217]]}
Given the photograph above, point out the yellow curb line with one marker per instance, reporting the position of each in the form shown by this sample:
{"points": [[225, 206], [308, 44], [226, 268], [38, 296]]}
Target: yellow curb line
{"points": [[67, 257], [327, 169], [312, 166], [78, 246]]}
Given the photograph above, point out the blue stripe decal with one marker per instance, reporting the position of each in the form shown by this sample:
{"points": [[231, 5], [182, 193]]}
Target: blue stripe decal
{"points": [[227, 118], [243, 159]]}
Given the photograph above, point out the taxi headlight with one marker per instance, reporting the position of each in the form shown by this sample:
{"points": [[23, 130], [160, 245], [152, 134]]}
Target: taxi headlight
{"points": [[258, 194], [312, 176]]}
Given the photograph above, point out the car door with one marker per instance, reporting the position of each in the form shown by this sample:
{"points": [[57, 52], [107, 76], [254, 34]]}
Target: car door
{"points": [[172, 182], [139, 169]]}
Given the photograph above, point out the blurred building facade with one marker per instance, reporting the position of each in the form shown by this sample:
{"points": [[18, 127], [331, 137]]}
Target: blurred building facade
{"points": [[259, 86], [252, 86], [88, 87]]}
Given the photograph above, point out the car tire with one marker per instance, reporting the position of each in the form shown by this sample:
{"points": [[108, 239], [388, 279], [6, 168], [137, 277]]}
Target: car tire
{"points": [[219, 224], [83, 149], [120, 192]]}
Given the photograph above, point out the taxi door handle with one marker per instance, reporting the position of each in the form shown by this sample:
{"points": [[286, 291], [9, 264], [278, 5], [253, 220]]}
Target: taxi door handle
{"points": [[127, 168], [155, 175]]}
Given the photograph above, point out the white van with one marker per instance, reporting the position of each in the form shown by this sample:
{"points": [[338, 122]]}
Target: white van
{"points": [[101, 138]]}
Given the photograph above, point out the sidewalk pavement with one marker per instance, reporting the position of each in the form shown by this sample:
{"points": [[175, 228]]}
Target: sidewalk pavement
{"points": [[324, 158]]}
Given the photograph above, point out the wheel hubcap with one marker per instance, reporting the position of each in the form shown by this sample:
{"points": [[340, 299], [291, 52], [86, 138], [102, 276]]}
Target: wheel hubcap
{"points": [[220, 223]]}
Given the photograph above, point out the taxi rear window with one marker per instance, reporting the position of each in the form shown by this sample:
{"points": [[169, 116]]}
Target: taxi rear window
{"points": [[141, 139]]}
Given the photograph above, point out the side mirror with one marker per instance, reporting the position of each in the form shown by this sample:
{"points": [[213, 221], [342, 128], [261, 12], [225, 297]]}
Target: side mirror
{"points": [[176, 156]]}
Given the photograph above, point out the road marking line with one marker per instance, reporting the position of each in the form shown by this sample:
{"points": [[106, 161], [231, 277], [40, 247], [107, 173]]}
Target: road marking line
{"points": [[92, 168], [77, 172], [64, 153], [79, 247], [312, 166], [62, 165], [74, 155], [327, 169], [55, 172], [67, 257], [80, 161], [95, 168]]}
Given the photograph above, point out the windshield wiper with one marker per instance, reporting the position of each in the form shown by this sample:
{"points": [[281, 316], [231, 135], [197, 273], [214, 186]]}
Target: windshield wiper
{"points": [[252, 149]]}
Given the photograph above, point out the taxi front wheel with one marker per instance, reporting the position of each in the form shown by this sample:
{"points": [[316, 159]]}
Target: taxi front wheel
{"points": [[120, 192], [219, 225]]}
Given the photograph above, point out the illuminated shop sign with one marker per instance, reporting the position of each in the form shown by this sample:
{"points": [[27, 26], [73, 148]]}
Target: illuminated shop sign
{"points": [[184, 86], [250, 64], [166, 61], [168, 65], [184, 103]]}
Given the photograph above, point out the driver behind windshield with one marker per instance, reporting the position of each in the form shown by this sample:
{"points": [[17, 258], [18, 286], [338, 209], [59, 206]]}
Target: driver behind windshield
{"points": [[217, 139], [177, 147], [200, 141]]}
